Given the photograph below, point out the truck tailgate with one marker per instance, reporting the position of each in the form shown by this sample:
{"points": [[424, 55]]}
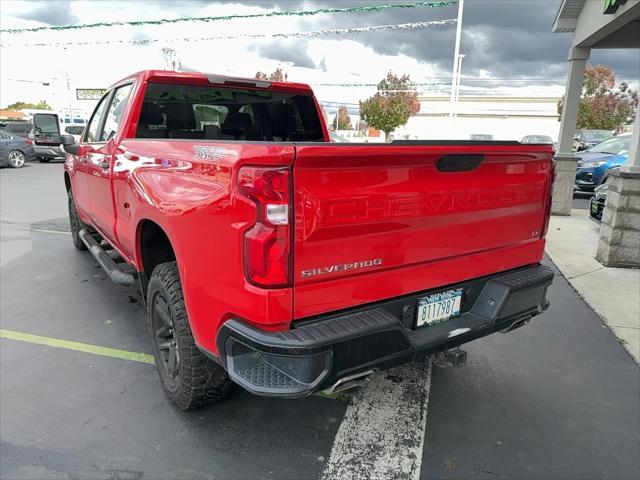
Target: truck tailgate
{"points": [[378, 221]]}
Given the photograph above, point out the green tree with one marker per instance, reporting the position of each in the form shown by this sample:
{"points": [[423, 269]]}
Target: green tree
{"points": [[602, 106], [276, 76], [392, 106], [342, 120], [41, 105]]}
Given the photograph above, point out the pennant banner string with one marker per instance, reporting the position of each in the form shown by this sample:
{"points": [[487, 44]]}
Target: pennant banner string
{"points": [[314, 33], [286, 13]]}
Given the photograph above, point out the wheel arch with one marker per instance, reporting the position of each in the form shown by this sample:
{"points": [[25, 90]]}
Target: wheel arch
{"points": [[608, 173], [154, 246]]}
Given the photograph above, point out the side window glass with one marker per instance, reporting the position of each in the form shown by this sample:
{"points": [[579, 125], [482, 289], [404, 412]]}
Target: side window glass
{"points": [[91, 134], [115, 112]]}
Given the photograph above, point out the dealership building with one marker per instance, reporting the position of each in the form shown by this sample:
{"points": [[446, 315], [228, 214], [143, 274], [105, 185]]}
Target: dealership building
{"points": [[502, 117], [600, 24]]}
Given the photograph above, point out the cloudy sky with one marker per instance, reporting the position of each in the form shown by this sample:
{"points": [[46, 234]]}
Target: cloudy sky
{"points": [[508, 44]]}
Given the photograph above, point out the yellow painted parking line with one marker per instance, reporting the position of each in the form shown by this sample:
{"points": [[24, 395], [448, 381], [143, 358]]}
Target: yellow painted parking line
{"points": [[77, 346]]}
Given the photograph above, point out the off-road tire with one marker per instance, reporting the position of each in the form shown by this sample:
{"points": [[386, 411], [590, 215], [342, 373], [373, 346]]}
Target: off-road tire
{"points": [[75, 223], [199, 381]]}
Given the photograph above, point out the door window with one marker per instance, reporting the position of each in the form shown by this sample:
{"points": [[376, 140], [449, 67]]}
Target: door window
{"points": [[92, 134], [115, 112]]}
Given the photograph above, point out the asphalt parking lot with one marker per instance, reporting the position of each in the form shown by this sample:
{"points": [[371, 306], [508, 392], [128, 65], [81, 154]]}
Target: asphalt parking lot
{"points": [[556, 399], [581, 200]]}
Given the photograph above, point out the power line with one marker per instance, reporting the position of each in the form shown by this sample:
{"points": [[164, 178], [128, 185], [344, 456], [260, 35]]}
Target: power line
{"points": [[41, 82], [286, 13], [429, 84]]}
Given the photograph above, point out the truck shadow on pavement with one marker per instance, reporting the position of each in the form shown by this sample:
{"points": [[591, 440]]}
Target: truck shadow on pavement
{"points": [[85, 416]]}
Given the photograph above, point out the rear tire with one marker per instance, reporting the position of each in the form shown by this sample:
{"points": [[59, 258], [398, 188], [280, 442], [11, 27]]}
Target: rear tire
{"points": [[75, 223], [190, 379]]}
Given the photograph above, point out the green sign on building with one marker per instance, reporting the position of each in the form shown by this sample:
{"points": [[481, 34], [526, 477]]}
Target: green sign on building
{"points": [[90, 93], [610, 6]]}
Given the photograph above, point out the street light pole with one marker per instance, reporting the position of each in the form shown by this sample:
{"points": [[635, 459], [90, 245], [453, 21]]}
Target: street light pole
{"points": [[456, 60]]}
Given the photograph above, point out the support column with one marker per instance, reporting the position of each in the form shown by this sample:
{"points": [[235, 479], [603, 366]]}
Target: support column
{"points": [[565, 160], [634, 148], [619, 244]]}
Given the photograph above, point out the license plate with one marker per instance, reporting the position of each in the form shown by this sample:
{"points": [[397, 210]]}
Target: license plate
{"points": [[439, 307]]}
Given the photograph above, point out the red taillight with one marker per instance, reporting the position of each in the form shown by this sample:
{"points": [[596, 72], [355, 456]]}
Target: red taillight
{"points": [[267, 245], [547, 213], [28, 141]]}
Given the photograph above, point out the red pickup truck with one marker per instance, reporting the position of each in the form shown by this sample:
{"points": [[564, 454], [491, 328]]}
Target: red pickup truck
{"points": [[269, 256]]}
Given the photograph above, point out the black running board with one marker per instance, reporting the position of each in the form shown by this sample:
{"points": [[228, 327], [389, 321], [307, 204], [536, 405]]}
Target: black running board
{"points": [[106, 262]]}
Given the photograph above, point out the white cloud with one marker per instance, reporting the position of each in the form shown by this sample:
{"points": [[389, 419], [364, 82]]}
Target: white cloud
{"points": [[341, 59]]}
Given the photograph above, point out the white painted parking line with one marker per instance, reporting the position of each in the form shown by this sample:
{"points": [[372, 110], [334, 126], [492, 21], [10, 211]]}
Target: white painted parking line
{"points": [[382, 433], [30, 228]]}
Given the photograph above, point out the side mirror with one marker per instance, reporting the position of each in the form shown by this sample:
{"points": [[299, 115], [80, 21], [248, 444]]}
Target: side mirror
{"points": [[46, 129], [69, 144], [67, 140]]}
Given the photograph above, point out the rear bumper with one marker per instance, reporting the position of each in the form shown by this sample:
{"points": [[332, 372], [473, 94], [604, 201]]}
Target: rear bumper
{"points": [[45, 151], [316, 354]]}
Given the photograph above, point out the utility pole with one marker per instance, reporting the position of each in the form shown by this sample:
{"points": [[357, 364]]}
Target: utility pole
{"points": [[68, 85], [457, 86], [455, 74], [170, 59]]}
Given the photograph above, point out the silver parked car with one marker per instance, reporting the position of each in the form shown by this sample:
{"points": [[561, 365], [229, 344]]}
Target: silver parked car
{"points": [[544, 139], [15, 150]]}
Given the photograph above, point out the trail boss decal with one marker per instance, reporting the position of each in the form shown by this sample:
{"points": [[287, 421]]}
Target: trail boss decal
{"points": [[204, 152], [342, 267]]}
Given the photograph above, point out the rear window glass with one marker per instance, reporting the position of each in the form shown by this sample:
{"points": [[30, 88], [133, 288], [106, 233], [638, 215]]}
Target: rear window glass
{"points": [[73, 130], [214, 113], [19, 127]]}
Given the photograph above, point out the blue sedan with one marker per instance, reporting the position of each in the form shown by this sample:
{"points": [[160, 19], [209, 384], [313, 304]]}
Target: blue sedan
{"points": [[597, 161], [15, 151]]}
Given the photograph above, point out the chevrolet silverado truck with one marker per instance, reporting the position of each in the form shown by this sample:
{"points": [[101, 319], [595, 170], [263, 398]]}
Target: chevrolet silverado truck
{"points": [[273, 258]]}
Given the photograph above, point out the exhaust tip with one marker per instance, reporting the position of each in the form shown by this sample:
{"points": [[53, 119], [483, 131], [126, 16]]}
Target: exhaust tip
{"points": [[516, 324], [349, 382]]}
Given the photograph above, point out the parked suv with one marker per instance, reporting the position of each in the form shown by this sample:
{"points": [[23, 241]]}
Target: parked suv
{"points": [[18, 129], [46, 137], [595, 163], [585, 139]]}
